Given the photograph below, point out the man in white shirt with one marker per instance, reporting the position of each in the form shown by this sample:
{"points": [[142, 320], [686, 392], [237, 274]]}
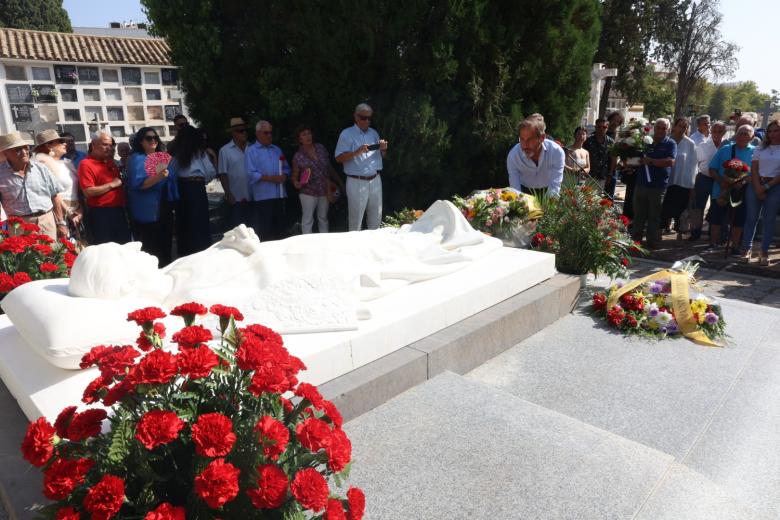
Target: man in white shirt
{"points": [[231, 168], [679, 192], [536, 163], [702, 132], [703, 185]]}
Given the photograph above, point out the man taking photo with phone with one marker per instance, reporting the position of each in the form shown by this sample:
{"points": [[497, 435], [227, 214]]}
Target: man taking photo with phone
{"points": [[361, 150]]}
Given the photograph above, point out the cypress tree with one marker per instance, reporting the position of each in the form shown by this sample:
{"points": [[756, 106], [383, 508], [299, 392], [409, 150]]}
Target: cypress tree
{"points": [[39, 15]]}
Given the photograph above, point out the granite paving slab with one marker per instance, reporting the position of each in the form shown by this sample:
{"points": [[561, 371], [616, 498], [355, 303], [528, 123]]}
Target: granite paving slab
{"points": [[686, 494], [740, 449], [454, 448], [658, 393]]}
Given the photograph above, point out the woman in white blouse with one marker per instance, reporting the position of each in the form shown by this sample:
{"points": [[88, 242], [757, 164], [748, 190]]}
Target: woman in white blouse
{"points": [[763, 193], [50, 151]]}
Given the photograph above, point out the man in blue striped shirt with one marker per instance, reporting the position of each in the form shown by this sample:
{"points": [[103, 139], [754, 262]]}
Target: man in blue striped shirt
{"points": [[361, 150], [267, 170]]}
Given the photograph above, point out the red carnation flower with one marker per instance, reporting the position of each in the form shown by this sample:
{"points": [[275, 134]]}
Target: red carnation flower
{"points": [[625, 220], [67, 513], [310, 489], [6, 283], [157, 366], [38, 443], [158, 427], [356, 500], [45, 250], [69, 258], [146, 315], [115, 361], [193, 335], [225, 313], [599, 301], [605, 203], [188, 311], [313, 434], [334, 510], [218, 483], [117, 392], [271, 490], [631, 321], [213, 435], [63, 420], [311, 394], [332, 413], [16, 244], [86, 424], [273, 379], [48, 267], [339, 450], [166, 511], [615, 316], [29, 227], [197, 362], [94, 354], [94, 390], [68, 244], [21, 278], [624, 261], [62, 477], [273, 435], [537, 239], [104, 499]]}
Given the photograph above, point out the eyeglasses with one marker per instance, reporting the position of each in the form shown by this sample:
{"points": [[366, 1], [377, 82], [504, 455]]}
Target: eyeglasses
{"points": [[364, 118], [150, 138]]}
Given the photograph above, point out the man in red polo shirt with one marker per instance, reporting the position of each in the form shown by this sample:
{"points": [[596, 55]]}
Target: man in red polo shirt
{"points": [[102, 187]]}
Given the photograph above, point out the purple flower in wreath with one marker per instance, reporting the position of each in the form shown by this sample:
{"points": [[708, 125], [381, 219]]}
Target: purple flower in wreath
{"points": [[619, 284], [711, 318], [656, 288], [672, 328]]}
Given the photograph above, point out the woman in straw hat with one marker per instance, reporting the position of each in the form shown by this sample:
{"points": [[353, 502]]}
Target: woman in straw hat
{"points": [[50, 150]]}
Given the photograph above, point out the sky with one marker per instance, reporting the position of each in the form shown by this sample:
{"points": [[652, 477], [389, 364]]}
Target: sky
{"points": [[751, 24]]}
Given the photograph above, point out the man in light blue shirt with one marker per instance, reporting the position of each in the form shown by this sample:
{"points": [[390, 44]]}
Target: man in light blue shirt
{"points": [[360, 150], [535, 164], [267, 170]]}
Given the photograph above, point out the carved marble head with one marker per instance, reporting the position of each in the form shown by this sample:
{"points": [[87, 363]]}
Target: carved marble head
{"points": [[112, 271]]}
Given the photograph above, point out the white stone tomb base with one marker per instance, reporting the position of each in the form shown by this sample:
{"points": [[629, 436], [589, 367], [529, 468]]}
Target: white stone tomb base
{"points": [[400, 318]]}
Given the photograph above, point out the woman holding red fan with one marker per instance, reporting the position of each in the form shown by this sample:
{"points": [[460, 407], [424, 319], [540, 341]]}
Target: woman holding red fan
{"points": [[152, 193]]}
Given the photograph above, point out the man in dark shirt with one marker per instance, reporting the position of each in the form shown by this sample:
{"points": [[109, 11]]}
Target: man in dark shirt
{"points": [[597, 146], [652, 176]]}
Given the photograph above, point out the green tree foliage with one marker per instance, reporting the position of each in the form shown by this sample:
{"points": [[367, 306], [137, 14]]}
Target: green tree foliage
{"points": [[629, 31], [448, 80], [39, 15], [694, 48], [658, 93]]}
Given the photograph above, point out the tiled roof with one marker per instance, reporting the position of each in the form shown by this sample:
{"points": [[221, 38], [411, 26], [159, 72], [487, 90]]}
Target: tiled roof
{"points": [[80, 48]]}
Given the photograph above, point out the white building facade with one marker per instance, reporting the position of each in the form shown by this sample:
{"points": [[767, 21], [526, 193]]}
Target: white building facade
{"points": [[80, 83]]}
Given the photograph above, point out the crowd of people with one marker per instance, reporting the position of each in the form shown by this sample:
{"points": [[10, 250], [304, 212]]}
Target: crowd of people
{"points": [[678, 184], [111, 194]]}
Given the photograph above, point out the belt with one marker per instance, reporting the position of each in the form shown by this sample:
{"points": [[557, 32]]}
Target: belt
{"points": [[36, 214], [192, 179], [363, 177]]}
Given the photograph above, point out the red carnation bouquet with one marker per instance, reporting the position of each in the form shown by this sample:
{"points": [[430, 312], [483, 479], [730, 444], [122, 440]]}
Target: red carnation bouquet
{"points": [[212, 429], [735, 175], [26, 255]]}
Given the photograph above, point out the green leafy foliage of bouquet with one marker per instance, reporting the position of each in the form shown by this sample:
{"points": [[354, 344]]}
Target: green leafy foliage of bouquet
{"points": [[496, 210], [201, 432], [401, 217], [585, 233], [27, 255]]}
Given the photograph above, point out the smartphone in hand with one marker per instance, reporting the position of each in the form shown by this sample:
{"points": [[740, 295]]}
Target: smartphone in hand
{"points": [[374, 146]]}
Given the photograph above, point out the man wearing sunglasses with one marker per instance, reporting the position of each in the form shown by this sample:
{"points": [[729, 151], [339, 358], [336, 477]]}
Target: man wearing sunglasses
{"points": [[28, 189], [360, 150], [231, 168]]}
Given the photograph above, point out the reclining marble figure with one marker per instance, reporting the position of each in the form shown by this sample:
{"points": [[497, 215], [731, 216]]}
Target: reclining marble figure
{"points": [[306, 283]]}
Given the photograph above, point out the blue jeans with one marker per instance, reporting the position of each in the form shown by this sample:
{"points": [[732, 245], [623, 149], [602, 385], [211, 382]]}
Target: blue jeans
{"points": [[769, 207]]}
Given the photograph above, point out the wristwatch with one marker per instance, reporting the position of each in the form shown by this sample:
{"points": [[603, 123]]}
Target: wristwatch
{"points": [[766, 186]]}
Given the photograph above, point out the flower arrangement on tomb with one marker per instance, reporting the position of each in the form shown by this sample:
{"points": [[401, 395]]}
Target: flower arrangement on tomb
{"points": [[585, 232], [401, 217], [206, 430], [660, 306], [499, 211], [631, 144], [27, 255]]}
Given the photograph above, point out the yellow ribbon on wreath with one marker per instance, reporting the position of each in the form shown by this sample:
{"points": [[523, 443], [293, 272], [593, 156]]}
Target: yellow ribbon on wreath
{"points": [[681, 303]]}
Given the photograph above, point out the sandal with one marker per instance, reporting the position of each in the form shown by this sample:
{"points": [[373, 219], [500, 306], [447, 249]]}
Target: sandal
{"points": [[763, 260], [745, 258]]}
